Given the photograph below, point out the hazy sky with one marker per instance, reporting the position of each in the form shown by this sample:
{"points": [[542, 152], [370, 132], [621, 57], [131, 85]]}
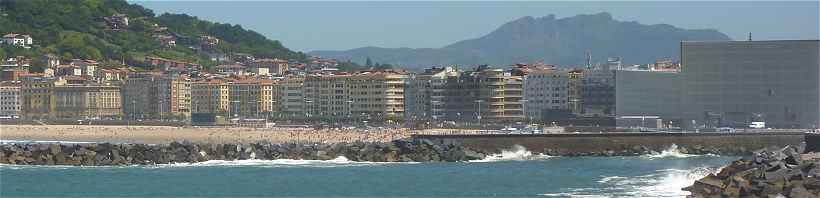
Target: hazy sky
{"points": [[307, 26]]}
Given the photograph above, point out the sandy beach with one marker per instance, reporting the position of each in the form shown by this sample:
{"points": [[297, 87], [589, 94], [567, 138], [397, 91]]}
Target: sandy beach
{"points": [[166, 134]]}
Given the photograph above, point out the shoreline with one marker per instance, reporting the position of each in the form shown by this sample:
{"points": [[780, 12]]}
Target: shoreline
{"points": [[167, 134], [416, 150]]}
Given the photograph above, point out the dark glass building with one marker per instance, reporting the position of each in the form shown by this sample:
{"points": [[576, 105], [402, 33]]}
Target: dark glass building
{"points": [[733, 83]]}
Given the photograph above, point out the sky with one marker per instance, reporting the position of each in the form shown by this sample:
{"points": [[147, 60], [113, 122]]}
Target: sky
{"points": [[336, 25]]}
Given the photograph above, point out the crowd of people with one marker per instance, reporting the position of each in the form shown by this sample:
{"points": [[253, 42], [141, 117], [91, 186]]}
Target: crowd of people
{"points": [[165, 134]]}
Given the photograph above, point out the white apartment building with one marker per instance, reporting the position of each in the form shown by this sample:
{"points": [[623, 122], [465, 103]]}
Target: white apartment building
{"points": [[10, 99], [545, 91]]}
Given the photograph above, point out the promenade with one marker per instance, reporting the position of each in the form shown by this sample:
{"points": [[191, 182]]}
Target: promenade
{"points": [[167, 134]]}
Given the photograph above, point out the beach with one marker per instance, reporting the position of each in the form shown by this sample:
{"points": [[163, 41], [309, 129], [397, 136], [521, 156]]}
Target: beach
{"points": [[167, 134]]}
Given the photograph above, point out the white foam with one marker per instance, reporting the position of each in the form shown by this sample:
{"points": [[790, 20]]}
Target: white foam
{"points": [[518, 153], [663, 183], [671, 152], [571, 194], [607, 179], [336, 162]]}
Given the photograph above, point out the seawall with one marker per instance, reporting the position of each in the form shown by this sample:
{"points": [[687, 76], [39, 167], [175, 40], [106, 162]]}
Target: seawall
{"points": [[105, 154], [608, 144], [813, 142]]}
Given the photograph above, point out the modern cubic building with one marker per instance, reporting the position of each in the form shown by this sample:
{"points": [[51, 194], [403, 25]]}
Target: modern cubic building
{"points": [[732, 83], [643, 96]]}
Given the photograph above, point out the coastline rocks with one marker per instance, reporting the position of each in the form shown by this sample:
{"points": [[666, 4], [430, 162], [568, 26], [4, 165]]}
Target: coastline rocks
{"points": [[768, 173], [105, 154]]}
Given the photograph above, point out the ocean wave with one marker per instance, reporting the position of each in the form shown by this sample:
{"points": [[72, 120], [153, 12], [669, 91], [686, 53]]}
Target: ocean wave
{"points": [[571, 194], [336, 162], [340, 161], [517, 153], [673, 152], [661, 183]]}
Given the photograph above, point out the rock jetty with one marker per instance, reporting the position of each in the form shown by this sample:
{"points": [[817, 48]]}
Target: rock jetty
{"points": [[785, 172], [105, 154]]}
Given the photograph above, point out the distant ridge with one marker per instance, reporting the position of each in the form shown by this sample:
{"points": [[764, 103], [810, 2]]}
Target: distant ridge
{"points": [[554, 41]]}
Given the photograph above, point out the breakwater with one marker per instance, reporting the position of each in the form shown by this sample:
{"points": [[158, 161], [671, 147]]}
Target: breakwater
{"points": [[782, 172], [624, 144], [185, 152], [813, 142]]}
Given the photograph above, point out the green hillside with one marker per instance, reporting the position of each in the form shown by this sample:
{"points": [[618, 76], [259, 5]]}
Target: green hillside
{"points": [[77, 29]]}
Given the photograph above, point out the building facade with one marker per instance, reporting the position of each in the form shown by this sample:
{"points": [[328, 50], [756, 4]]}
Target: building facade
{"points": [[647, 96], [425, 93], [174, 96], [291, 97], [732, 83], [598, 91], [575, 86], [379, 94], [210, 97], [37, 100], [274, 66], [546, 94], [10, 99], [484, 94], [86, 101], [140, 97]]}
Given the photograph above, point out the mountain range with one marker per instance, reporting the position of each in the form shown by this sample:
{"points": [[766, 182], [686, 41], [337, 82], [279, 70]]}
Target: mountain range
{"points": [[547, 39]]}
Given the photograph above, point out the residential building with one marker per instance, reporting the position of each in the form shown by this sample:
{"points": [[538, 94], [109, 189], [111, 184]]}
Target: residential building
{"points": [[486, 94], [575, 85], [12, 68], [208, 42], [275, 66], [546, 94], [365, 94], [68, 70], [260, 71], [87, 67], [174, 95], [10, 99], [251, 98], [86, 100], [425, 93], [292, 100], [326, 95], [376, 93], [166, 41], [37, 100], [140, 95], [116, 22], [20, 40], [112, 75], [236, 70], [172, 65], [210, 96]]}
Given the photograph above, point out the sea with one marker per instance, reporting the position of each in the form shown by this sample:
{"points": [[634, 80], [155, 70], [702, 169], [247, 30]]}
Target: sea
{"points": [[514, 173]]}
